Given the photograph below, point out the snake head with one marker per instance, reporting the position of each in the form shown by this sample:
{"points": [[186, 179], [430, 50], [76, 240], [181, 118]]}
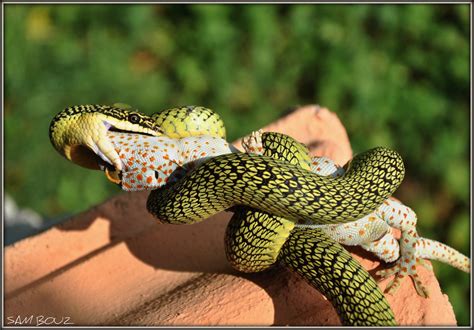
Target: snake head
{"points": [[79, 133]]}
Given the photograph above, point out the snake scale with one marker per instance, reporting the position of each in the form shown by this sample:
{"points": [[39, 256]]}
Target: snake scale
{"points": [[273, 191], [256, 240]]}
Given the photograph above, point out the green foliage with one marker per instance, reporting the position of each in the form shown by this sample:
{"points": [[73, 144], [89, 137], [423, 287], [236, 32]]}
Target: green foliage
{"points": [[397, 75]]}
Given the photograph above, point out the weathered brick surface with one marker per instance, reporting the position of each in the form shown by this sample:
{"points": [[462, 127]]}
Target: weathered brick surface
{"points": [[115, 265]]}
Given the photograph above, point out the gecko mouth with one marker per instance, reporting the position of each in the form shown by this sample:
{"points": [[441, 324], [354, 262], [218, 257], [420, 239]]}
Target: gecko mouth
{"points": [[84, 156], [113, 176], [111, 173]]}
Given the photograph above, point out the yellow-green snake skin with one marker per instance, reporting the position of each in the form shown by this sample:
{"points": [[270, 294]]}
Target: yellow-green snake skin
{"points": [[283, 192], [280, 188], [255, 240]]}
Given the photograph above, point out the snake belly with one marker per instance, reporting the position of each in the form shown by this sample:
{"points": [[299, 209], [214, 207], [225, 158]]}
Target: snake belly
{"points": [[257, 240]]}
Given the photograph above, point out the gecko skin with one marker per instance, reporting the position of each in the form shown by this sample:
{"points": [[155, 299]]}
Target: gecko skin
{"points": [[150, 162]]}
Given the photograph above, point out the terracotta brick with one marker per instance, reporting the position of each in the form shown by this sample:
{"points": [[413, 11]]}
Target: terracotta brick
{"points": [[115, 265]]}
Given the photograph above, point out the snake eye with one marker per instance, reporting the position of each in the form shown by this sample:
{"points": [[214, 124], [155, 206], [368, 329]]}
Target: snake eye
{"points": [[134, 118]]}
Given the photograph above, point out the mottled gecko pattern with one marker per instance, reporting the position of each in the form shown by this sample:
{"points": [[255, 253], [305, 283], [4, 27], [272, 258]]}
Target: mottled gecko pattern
{"points": [[150, 162]]}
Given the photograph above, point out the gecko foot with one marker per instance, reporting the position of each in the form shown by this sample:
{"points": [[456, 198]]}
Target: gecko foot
{"points": [[253, 142], [401, 270]]}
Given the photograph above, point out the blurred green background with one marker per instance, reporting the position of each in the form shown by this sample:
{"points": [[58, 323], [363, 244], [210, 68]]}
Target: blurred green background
{"points": [[396, 75]]}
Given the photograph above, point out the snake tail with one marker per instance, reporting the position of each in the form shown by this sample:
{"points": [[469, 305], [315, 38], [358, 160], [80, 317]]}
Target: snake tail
{"points": [[328, 267], [277, 187]]}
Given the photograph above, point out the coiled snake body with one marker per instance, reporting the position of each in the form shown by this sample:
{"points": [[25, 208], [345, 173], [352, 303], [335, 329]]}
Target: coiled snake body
{"points": [[274, 191]]}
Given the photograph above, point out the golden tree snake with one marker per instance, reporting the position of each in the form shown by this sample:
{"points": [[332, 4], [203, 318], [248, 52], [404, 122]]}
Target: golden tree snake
{"points": [[181, 155]]}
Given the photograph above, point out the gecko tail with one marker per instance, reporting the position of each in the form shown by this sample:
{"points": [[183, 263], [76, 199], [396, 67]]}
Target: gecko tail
{"points": [[434, 250]]}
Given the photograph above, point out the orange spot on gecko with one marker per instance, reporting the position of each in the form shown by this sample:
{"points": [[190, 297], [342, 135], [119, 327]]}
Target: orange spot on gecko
{"points": [[139, 177], [149, 179], [361, 232]]}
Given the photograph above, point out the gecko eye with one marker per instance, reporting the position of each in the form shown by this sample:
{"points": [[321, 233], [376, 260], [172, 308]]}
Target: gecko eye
{"points": [[134, 118]]}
